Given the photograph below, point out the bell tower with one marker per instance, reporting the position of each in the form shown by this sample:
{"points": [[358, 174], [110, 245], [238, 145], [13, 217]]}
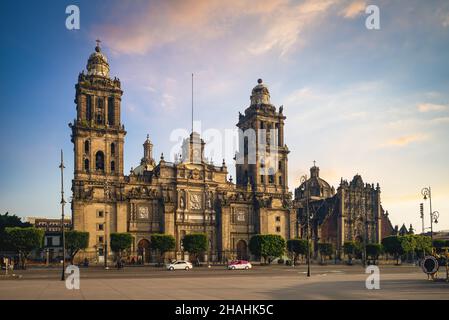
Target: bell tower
{"points": [[97, 132], [262, 157]]}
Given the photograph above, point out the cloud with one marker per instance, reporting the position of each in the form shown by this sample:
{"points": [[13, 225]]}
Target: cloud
{"points": [[262, 25], [426, 107], [445, 21], [353, 9], [440, 120], [405, 140]]}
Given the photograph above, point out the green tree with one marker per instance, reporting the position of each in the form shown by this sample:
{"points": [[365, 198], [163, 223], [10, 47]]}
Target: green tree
{"points": [[393, 245], [75, 241], [373, 250], [268, 246], [120, 241], [195, 244], [399, 246], [352, 249], [408, 243], [24, 241], [423, 245], [325, 250], [162, 243], [297, 247], [8, 220]]}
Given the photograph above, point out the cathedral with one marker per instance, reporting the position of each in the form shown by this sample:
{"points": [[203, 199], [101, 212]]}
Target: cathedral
{"points": [[192, 195]]}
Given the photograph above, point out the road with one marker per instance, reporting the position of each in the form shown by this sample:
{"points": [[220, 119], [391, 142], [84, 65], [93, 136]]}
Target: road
{"points": [[260, 283]]}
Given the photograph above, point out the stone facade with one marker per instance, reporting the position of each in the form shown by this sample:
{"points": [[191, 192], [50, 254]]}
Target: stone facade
{"points": [[176, 198], [192, 195], [352, 213]]}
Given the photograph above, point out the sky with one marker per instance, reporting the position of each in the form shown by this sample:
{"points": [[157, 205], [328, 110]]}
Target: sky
{"points": [[357, 101]]}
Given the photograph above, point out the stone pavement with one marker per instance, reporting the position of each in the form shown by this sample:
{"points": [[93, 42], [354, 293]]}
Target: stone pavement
{"points": [[258, 284]]}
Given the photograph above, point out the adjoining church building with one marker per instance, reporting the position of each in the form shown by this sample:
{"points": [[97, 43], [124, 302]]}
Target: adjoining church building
{"points": [[192, 195], [352, 213]]}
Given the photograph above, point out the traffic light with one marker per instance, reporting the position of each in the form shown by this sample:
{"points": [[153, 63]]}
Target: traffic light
{"points": [[421, 210]]}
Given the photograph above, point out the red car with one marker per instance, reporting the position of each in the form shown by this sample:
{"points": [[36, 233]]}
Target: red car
{"points": [[239, 264]]}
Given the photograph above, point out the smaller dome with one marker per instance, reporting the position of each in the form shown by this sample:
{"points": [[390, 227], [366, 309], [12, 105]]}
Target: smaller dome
{"points": [[260, 94], [98, 65], [318, 187]]}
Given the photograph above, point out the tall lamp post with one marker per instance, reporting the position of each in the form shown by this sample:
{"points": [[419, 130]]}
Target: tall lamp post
{"points": [[61, 166], [434, 215], [304, 182], [106, 229]]}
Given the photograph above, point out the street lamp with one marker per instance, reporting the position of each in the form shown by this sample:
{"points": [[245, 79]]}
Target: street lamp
{"points": [[106, 197], [305, 187], [434, 215], [61, 166]]}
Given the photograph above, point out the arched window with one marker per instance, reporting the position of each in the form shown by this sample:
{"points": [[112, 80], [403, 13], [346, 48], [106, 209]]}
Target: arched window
{"points": [[86, 146], [112, 166], [99, 161], [86, 165], [112, 148]]}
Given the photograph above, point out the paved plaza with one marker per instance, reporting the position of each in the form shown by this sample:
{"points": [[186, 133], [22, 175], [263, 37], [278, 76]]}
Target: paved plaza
{"points": [[260, 283]]}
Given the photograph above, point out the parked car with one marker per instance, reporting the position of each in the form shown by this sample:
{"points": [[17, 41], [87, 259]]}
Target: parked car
{"points": [[179, 265], [239, 264]]}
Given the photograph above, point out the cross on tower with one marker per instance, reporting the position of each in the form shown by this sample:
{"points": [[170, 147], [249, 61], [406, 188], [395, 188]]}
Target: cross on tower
{"points": [[98, 41], [314, 163]]}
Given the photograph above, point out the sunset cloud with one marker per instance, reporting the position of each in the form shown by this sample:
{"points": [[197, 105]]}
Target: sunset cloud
{"points": [[405, 140], [427, 107], [264, 25], [353, 9]]}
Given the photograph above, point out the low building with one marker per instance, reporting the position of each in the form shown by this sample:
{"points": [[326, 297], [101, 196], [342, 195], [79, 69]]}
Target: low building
{"points": [[52, 249]]}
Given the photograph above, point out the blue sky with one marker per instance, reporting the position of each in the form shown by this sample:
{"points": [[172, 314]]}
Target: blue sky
{"points": [[373, 102]]}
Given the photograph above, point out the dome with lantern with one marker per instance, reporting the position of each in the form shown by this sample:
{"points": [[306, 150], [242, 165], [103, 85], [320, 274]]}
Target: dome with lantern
{"points": [[260, 94], [318, 188], [98, 65]]}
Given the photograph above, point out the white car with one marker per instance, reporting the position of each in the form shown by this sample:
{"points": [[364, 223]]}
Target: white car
{"points": [[239, 264], [179, 265]]}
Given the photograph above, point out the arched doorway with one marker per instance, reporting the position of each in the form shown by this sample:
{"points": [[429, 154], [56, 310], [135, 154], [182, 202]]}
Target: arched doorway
{"points": [[143, 250], [242, 250]]}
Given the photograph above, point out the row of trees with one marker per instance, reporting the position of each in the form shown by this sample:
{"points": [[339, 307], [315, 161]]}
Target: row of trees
{"points": [[25, 240], [407, 246], [410, 247], [270, 247]]}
